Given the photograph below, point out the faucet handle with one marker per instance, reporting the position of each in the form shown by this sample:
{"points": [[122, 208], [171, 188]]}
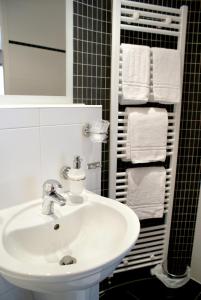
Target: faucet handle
{"points": [[50, 186]]}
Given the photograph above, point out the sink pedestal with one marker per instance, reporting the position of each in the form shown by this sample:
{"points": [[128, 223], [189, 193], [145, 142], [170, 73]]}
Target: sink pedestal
{"points": [[91, 293]]}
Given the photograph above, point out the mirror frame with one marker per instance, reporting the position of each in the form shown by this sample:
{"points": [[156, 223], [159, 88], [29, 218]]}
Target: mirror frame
{"points": [[45, 100]]}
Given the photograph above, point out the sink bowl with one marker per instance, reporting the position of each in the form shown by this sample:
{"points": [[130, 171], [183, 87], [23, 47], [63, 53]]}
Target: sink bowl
{"points": [[97, 234]]}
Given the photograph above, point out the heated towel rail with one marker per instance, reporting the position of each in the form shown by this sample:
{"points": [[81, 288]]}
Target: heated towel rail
{"points": [[130, 16]]}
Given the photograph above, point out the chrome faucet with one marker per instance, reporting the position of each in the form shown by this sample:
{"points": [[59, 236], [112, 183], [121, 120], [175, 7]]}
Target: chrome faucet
{"points": [[51, 196]]}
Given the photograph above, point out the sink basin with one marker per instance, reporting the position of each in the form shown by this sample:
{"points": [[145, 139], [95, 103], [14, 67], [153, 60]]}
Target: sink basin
{"points": [[97, 234]]}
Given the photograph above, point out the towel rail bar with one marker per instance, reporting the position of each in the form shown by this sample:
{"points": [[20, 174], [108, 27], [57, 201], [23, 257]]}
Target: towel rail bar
{"points": [[131, 20], [151, 7], [148, 14], [136, 262], [150, 30], [146, 249], [123, 174], [124, 114], [142, 265], [152, 233], [148, 241], [133, 258], [150, 228], [123, 155]]}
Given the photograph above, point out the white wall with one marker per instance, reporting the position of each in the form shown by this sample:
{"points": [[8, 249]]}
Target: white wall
{"points": [[34, 144], [196, 255], [28, 70]]}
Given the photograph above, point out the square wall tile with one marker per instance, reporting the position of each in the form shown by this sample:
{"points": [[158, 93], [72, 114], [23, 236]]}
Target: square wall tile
{"points": [[18, 117], [69, 115], [20, 166]]}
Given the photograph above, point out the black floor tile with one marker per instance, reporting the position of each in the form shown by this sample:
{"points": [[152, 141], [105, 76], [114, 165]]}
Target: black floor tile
{"points": [[153, 289]]}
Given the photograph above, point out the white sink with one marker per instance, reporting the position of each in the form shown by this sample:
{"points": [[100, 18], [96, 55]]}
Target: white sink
{"points": [[98, 233]]}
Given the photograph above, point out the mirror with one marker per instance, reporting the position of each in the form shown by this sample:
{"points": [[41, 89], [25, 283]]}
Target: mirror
{"points": [[36, 49]]}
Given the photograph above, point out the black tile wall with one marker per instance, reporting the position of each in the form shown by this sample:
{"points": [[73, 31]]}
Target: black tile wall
{"points": [[92, 57], [189, 157]]}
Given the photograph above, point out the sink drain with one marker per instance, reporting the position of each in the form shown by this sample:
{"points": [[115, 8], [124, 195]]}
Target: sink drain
{"points": [[67, 260]]}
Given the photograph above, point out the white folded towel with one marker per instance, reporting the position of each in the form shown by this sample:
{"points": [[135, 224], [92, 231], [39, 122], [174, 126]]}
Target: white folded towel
{"points": [[147, 134], [146, 191], [166, 75], [135, 74]]}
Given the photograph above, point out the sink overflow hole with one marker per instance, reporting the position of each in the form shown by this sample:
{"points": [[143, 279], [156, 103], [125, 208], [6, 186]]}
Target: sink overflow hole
{"points": [[56, 226], [67, 260]]}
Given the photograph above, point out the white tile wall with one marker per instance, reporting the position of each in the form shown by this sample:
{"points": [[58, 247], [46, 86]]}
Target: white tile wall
{"points": [[34, 144], [20, 165], [69, 115], [18, 118], [66, 136]]}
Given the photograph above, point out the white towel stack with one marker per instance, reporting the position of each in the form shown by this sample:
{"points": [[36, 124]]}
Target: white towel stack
{"points": [[166, 75], [146, 191], [135, 74], [147, 134]]}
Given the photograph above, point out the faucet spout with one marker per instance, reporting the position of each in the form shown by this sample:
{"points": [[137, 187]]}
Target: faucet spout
{"points": [[57, 198], [51, 196]]}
